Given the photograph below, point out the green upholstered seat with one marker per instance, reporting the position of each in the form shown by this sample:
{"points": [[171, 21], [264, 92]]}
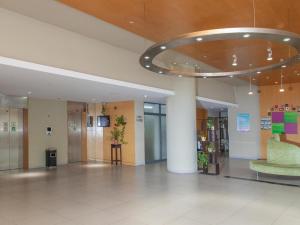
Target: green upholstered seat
{"points": [[282, 159]]}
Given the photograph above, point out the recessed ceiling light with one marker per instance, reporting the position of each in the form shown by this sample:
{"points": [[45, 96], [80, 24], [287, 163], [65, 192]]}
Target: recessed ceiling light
{"points": [[163, 47], [258, 72], [276, 82], [281, 90], [131, 22], [204, 77], [199, 39], [160, 72], [179, 75], [231, 76], [205, 56], [283, 66], [146, 57], [286, 39], [148, 66], [298, 74], [246, 35], [253, 79]]}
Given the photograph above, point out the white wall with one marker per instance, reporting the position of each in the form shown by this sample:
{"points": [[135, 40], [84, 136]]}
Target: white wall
{"points": [[43, 114], [216, 90], [31, 40], [245, 145], [139, 133]]}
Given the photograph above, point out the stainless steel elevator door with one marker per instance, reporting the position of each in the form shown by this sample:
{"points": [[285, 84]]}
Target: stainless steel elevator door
{"points": [[4, 138], [11, 138], [74, 139]]}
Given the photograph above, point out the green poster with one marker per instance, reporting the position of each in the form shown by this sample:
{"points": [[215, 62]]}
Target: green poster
{"points": [[290, 117], [277, 128]]}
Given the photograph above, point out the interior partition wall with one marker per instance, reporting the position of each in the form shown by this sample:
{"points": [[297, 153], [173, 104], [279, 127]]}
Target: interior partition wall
{"points": [[155, 132]]}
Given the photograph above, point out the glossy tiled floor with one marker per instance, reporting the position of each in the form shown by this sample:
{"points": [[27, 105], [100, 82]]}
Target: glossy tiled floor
{"points": [[97, 194]]}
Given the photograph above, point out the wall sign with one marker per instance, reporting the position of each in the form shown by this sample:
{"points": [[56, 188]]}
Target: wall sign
{"points": [[243, 122], [284, 122]]}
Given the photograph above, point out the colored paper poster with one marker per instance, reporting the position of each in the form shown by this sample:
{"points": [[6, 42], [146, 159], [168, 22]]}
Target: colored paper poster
{"points": [[290, 117], [277, 128], [243, 122], [291, 128], [277, 117]]}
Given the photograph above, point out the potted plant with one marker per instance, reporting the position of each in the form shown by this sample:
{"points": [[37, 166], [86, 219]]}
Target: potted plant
{"points": [[118, 131], [211, 147], [203, 161]]}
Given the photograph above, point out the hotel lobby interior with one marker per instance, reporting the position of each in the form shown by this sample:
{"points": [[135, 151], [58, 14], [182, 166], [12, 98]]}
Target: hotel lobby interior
{"points": [[149, 112]]}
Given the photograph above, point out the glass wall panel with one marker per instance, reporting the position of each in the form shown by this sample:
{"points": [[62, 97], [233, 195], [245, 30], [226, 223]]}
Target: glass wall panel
{"points": [[163, 138], [151, 108], [152, 138]]}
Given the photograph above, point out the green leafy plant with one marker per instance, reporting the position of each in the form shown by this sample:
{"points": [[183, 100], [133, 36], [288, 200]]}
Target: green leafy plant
{"points": [[211, 147], [118, 131], [203, 160], [103, 109]]}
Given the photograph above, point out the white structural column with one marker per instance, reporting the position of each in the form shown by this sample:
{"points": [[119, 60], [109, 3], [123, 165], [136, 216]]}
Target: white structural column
{"points": [[181, 127]]}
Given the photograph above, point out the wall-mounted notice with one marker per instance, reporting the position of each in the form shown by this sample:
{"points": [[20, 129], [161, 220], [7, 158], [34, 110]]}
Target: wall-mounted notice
{"points": [[243, 122]]}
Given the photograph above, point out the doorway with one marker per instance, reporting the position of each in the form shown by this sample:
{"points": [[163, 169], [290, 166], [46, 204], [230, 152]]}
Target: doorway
{"points": [[11, 138], [155, 132]]}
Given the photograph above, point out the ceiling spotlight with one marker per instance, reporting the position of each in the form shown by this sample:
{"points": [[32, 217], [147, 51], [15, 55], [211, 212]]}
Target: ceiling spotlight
{"points": [[246, 35], [253, 79], [131, 22], [148, 66], [163, 47], [160, 72], [231, 76], [199, 39], [258, 72], [24, 97], [298, 74], [281, 82], [270, 54], [146, 57], [234, 62], [276, 82], [174, 63], [250, 87], [286, 39], [179, 76], [204, 77], [283, 66], [250, 93]]}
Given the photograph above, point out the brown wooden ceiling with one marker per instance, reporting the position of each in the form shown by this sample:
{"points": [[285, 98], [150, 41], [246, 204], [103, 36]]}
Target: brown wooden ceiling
{"points": [[159, 20]]}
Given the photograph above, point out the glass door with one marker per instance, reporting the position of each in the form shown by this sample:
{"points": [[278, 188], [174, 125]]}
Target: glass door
{"points": [[155, 132], [4, 138]]}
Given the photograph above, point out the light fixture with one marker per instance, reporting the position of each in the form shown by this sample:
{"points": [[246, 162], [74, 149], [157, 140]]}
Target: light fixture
{"points": [[250, 87], [276, 82], [160, 72], [145, 96], [266, 34], [270, 54], [286, 39], [146, 57], [24, 97], [199, 39], [204, 77], [258, 72], [179, 76], [281, 81], [231, 76], [283, 66], [131, 22], [234, 60], [246, 35], [148, 66]]}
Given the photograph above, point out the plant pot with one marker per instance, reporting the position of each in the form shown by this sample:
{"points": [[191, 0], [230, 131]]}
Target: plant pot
{"points": [[205, 170]]}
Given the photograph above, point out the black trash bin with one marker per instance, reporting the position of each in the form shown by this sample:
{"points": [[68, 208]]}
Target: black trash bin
{"points": [[51, 157]]}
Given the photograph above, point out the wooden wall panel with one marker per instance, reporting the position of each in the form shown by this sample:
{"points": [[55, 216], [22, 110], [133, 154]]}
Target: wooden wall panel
{"points": [[128, 150], [271, 96]]}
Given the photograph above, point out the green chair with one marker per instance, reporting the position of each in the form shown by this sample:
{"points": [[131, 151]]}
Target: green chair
{"points": [[282, 159]]}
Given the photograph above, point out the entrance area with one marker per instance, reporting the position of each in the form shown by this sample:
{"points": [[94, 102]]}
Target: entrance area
{"points": [[155, 132]]}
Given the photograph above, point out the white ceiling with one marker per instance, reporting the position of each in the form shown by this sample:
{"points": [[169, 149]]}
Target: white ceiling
{"points": [[69, 85], [213, 105]]}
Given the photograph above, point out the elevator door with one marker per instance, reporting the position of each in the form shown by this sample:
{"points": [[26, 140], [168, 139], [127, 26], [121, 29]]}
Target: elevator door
{"points": [[74, 128], [11, 138]]}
